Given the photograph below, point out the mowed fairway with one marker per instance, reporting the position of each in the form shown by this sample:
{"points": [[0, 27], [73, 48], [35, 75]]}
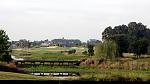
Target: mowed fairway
{"points": [[49, 54]]}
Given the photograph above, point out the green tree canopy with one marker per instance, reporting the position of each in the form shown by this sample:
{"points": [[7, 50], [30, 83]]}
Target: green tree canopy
{"points": [[129, 38], [4, 46], [90, 50]]}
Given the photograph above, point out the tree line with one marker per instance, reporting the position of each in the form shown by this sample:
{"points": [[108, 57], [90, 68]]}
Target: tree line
{"points": [[131, 38]]}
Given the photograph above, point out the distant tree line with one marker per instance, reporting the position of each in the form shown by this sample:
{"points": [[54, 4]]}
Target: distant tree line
{"points": [[24, 43]]}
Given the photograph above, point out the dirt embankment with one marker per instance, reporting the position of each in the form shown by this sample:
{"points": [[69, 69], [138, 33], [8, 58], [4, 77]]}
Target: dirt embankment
{"points": [[11, 67]]}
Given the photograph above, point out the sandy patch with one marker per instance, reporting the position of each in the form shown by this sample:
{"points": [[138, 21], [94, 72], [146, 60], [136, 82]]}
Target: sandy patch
{"points": [[52, 47], [18, 49]]}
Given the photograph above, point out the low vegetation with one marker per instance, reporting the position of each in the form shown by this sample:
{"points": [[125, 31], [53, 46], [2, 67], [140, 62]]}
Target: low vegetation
{"points": [[117, 75], [18, 76], [80, 69]]}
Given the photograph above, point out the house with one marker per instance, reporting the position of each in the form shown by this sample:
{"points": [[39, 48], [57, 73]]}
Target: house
{"points": [[93, 41], [66, 42]]}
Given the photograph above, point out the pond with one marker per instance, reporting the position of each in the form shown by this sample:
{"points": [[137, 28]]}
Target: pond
{"points": [[13, 57]]}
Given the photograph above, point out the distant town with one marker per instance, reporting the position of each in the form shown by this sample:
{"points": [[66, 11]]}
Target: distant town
{"points": [[24, 43]]}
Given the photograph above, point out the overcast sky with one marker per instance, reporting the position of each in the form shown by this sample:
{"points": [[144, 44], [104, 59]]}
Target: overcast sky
{"points": [[76, 19]]}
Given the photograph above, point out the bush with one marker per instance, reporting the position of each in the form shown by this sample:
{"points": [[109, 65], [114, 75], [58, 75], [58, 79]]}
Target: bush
{"points": [[84, 52], [6, 57], [83, 60], [90, 50], [73, 51], [88, 62]]}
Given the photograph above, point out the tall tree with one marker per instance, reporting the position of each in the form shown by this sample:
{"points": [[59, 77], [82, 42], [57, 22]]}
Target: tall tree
{"points": [[107, 49], [90, 50], [139, 47], [4, 47]]}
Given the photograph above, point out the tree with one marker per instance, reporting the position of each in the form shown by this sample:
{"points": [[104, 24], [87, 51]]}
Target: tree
{"points": [[139, 47], [107, 32], [4, 47], [148, 50], [23, 43], [29, 44], [107, 49], [6, 57], [122, 42], [129, 38], [90, 50]]}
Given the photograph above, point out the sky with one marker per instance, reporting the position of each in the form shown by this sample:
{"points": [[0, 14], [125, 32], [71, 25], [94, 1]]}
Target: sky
{"points": [[71, 19]]}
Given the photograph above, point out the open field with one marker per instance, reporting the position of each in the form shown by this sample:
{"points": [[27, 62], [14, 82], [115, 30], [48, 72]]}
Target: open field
{"points": [[116, 74], [18, 76], [107, 75], [80, 69], [126, 68], [49, 54]]}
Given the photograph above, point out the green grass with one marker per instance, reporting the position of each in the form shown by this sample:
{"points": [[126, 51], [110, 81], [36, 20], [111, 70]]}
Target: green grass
{"points": [[87, 72], [18, 76], [81, 69], [49, 54], [107, 75], [127, 75]]}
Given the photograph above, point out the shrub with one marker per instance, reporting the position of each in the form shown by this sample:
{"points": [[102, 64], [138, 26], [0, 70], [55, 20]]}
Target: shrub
{"points": [[83, 60], [90, 50], [88, 62], [6, 58], [72, 51], [84, 52]]}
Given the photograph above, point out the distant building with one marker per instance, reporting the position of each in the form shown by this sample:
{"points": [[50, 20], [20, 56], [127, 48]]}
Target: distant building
{"points": [[13, 46], [93, 42], [45, 44], [66, 42]]}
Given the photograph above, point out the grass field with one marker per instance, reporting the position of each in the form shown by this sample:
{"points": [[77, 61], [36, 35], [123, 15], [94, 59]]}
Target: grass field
{"points": [[127, 68], [80, 69], [18, 76], [49, 54], [107, 75], [116, 74]]}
